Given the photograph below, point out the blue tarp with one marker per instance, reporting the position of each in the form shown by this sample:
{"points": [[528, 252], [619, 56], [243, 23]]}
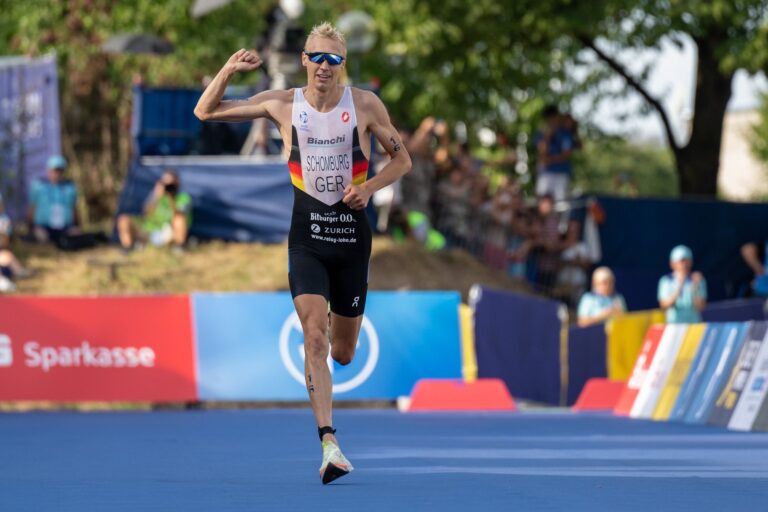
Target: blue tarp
{"points": [[638, 235], [29, 126], [518, 340], [164, 123], [233, 198]]}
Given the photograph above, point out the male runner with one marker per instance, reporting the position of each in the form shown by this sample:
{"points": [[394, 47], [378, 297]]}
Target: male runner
{"points": [[327, 132]]}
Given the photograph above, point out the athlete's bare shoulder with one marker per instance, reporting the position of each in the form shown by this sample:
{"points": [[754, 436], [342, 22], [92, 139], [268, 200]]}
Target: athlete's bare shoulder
{"points": [[370, 109], [365, 99], [279, 95], [277, 103]]}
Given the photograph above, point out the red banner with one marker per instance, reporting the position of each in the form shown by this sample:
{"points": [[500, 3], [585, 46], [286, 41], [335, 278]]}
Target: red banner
{"points": [[105, 348], [640, 372]]}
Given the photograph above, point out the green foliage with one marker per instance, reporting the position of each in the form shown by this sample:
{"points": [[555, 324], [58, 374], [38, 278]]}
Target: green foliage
{"points": [[613, 166], [76, 29], [484, 62], [95, 87], [498, 63]]}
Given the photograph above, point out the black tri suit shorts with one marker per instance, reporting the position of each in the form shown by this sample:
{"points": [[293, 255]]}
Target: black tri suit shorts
{"points": [[329, 250]]}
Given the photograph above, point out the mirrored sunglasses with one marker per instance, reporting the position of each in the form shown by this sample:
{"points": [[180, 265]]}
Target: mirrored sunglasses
{"points": [[320, 57]]}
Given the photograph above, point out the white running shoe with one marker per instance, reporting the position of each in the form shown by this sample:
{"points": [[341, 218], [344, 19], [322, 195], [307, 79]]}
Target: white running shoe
{"points": [[335, 464]]}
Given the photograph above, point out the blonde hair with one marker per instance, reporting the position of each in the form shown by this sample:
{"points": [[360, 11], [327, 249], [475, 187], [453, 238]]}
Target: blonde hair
{"points": [[603, 274], [328, 31]]}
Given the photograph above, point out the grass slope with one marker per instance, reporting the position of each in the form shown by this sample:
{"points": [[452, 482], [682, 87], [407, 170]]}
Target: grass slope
{"points": [[220, 266]]}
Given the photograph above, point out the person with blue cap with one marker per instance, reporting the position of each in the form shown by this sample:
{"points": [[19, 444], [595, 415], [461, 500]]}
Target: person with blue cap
{"points": [[53, 204], [682, 294]]}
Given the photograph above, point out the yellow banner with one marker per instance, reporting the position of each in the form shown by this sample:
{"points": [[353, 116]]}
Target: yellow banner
{"points": [[468, 354], [679, 371], [625, 338]]}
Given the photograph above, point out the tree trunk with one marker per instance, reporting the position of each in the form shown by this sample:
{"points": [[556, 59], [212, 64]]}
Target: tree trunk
{"points": [[698, 162]]}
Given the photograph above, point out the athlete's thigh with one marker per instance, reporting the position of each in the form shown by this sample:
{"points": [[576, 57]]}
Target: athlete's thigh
{"points": [[349, 287], [307, 275], [313, 312], [345, 331]]}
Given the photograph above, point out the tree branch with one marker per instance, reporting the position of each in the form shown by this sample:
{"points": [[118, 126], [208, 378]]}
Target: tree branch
{"points": [[637, 86]]}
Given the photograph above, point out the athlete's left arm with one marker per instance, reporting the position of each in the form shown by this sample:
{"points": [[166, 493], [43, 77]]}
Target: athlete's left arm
{"points": [[379, 124]]}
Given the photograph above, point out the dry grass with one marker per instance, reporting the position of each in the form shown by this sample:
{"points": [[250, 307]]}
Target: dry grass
{"points": [[220, 266]]}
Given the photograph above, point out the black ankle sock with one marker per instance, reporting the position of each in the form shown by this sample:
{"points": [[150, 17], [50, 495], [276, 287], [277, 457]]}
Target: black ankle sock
{"points": [[321, 431]]}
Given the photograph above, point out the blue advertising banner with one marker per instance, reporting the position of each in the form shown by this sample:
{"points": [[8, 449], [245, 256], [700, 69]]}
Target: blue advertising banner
{"points": [[707, 347], [717, 372], [250, 346], [739, 375]]}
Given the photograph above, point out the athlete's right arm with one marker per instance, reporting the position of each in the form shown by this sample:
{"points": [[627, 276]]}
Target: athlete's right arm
{"points": [[211, 107]]}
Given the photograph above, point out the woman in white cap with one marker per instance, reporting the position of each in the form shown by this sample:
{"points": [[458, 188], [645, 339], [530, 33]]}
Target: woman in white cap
{"points": [[602, 303], [682, 294]]}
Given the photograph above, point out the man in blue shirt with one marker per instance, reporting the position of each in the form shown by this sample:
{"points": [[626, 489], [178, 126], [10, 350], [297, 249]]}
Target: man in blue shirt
{"points": [[53, 204], [682, 294], [555, 145]]}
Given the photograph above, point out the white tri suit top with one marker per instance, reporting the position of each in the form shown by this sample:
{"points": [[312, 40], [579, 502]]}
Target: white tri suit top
{"points": [[329, 244]]}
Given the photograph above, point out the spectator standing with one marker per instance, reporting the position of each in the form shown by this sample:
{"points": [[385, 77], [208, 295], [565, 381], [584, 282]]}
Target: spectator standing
{"points": [[417, 185], [754, 256], [580, 252], [555, 145], [480, 208], [682, 294], [53, 204], [496, 236], [602, 303], [167, 216], [453, 199], [464, 159], [547, 243], [518, 241]]}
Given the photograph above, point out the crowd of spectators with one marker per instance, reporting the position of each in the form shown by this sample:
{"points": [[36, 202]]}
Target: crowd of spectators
{"points": [[451, 199], [547, 238]]}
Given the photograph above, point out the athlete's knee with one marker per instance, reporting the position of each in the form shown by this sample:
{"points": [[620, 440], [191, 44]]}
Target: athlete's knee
{"points": [[315, 343], [343, 353], [343, 358]]}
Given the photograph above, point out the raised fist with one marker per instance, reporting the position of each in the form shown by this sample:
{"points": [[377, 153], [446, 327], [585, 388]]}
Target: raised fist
{"points": [[244, 60]]}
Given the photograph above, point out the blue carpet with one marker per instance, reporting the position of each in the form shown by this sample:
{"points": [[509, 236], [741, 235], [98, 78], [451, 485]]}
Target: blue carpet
{"points": [[256, 460]]}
